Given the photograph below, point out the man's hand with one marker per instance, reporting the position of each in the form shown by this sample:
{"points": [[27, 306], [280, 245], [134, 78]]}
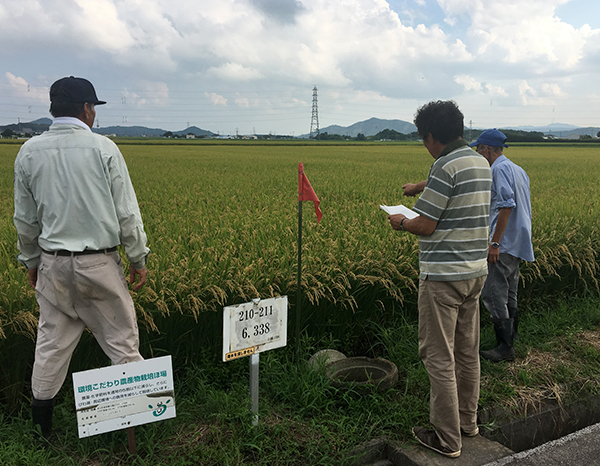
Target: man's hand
{"points": [[493, 254], [412, 189], [419, 225], [32, 276], [142, 273], [395, 221]]}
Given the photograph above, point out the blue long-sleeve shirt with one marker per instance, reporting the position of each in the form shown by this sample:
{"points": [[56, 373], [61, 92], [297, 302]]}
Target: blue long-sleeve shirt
{"points": [[510, 189]]}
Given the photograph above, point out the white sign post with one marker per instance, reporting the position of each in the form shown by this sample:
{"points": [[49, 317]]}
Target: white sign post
{"points": [[124, 396], [251, 328]]}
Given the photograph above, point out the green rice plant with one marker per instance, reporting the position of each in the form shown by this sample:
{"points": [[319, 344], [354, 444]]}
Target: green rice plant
{"points": [[222, 226], [565, 202]]}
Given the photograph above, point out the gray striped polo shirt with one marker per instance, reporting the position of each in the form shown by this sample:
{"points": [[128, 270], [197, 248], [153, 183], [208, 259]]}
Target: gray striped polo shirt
{"points": [[457, 197]]}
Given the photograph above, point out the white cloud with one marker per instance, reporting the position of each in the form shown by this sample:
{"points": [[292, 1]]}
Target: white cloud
{"points": [[551, 89], [153, 93], [266, 55], [216, 99], [519, 31], [531, 96], [24, 91], [468, 82], [242, 102], [97, 22], [78, 24], [496, 90], [234, 72], [369, 96]]}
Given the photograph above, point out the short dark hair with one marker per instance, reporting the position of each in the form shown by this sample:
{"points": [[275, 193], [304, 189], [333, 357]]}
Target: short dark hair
{"points": [[66, 109], [442, 119]]}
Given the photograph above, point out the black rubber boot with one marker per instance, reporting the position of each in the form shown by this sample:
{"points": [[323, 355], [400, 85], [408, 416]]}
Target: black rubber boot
{"points": [[41, 415], [504, 339]]}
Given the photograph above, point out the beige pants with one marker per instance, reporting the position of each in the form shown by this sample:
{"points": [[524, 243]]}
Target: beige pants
{"points": [[449, 348], [75, 292]]}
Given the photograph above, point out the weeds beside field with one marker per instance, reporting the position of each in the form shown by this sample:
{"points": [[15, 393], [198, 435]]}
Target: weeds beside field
{"points": [[303, 420], [222, 225]]}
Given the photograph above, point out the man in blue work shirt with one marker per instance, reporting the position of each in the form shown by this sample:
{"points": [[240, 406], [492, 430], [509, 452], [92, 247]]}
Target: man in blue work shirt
{"points": [[74, 204], [510, 242]]}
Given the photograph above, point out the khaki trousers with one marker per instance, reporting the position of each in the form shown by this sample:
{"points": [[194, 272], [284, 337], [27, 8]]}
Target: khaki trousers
{"points": [[449, 348], [74, 292]]}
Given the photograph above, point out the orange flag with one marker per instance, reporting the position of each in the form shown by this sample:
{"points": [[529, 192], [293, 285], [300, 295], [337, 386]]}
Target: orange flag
{"points": [[306, 192]]}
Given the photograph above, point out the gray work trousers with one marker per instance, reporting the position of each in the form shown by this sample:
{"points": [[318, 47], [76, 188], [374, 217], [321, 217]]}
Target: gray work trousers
{"points": [[499, 294]]}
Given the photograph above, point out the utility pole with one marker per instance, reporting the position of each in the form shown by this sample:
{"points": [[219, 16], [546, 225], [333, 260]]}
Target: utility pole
{"points": [[314, 121]]}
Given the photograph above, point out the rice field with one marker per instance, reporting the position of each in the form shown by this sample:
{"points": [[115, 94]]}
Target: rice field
{"points": [[222, 226]]}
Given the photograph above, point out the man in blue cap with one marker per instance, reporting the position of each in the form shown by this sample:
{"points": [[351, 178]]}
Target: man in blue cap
{"points": [[510, 242], [74, 204]]}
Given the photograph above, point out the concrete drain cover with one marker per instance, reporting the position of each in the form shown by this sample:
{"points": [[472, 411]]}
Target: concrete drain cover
{"points": [[362, 373]]}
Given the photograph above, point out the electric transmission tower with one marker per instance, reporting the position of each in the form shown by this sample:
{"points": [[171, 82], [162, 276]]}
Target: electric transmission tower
{"points": [[314, 121]]}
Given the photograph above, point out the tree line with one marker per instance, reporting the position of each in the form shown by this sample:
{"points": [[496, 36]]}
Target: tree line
{"points": [[393, 135]]}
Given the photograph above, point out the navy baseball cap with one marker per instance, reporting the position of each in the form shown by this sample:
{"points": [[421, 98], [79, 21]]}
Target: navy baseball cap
{"points": [[492, 138], [74, 91]]}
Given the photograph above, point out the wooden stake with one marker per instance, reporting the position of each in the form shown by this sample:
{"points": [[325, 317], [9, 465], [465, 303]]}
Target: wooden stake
{"points": [[131, 440]]}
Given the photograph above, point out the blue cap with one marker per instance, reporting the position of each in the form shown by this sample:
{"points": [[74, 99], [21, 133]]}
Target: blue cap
{"points": [[492, 138]]}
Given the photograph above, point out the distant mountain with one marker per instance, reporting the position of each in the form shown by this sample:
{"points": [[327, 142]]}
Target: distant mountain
{"points": [[558, 129], [141, 131], [37, 126], [42, 124], [369, 127], [544, 129], [132, 131], [194, 130], [590, 131]]}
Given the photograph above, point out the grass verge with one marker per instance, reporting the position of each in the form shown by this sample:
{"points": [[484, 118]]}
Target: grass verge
{"points": [[306, 421]]}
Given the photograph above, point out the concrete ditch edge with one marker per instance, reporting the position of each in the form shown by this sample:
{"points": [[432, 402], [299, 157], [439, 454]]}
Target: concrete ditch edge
{"points": [[550, 422]]}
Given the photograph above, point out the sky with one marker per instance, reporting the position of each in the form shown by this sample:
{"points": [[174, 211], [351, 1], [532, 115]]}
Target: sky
{"points": [[250, 66]]}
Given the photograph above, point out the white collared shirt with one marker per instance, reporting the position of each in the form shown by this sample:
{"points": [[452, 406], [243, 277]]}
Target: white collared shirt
{"points": [[73, 192], [70, 121]]}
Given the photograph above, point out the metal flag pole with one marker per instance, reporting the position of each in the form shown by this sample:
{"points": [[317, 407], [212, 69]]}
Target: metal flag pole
{"points": [[254, 361], [299, 282], [305, 193]]}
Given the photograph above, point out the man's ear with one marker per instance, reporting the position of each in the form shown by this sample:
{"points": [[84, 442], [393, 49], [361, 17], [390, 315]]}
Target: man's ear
{"points": [[88, 115]]}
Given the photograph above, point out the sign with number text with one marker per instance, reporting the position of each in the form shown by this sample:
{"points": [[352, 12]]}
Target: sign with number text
{"points": [[254, 327]]}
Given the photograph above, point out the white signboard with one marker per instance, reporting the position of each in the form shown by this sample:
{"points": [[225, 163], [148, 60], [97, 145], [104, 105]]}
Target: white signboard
{"points": [[254, 327], [126, 395]]}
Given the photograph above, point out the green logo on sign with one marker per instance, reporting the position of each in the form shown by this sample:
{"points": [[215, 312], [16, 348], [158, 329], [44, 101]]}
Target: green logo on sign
{"points": [[160, 408]]}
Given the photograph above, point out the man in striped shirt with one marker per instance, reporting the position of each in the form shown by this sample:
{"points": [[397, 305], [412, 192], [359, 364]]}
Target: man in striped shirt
{"points": [[453, 228]]}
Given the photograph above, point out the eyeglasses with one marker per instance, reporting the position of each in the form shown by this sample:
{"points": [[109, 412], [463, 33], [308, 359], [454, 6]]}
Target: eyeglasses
{"points": [[479, 148]]}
